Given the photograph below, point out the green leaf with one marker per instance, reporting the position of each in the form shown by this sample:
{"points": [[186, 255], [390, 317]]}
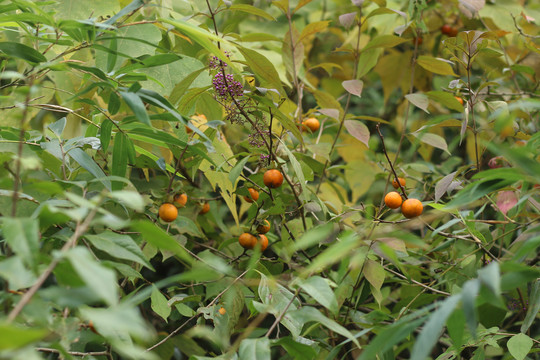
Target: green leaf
{"points": [[491, 277], [353, 87], [89, 165], [456, 327], [313, 28], [235, 172], [359, 130], [119, 158], [478, 189], [159, 303], [534, 306], [15, 336], [384, 41], [435, 65], [14, 270], [160, 239], [445, 98], [297, 350], [319, 289], [433, 140], [129, 198], [181, 87], [137, 106], [519, 346], [22, 51], [119, 246], [22, 236], [97, 277], [374, 273], [262, 68], [250, 9], [433, 328], [105, 134], [345, 243], [251, 349], [419, 100], [468, 296]]}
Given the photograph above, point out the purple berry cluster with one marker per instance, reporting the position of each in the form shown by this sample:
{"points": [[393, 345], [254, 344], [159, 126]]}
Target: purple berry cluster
{"points": [[216, 63], [227, 86]]}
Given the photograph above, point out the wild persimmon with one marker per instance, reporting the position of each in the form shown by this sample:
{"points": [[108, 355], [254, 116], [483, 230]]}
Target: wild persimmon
{"points": [[222, 310], [264, 227], [253, 195], [393, 200], [273, 178], [412, 208], [312, 124], [247, 241], [263, 240], [401, 181], [167, 212], [459, 99], [180, 200], [205, 208]]}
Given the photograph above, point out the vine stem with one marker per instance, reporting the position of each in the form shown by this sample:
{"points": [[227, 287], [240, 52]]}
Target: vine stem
{"points": [[347, 102]]}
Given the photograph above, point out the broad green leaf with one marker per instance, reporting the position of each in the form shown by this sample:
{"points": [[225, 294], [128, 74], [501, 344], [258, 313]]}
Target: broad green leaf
{"points": [[159, 303], [137, 106], [456, 327], [251, 349], [16, 273], [129, 198], [374, 273], [299, 174], [491, 277], [468, 297], [442, 185], [313, 28], [435, 65], [384, 41], [15, 336], [419, 100], [310, 314], [519, 346], [237, 169], [105, 134], [250, 9], [301, 4], [534, 306], [119, 246], [319, 289], [119, 158], [296, 349], [433, 140], [182, 86], [341, 248], [445, 98], [262, 68], [478, 189], [160, 239], [432, 330], [87, 163], [97, 277], [22, 51], [386, 11], [313, 236], [22, 236]]}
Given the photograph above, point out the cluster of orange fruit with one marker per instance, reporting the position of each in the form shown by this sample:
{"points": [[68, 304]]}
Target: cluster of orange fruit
{"points": [[409, 208], [168, 212]]}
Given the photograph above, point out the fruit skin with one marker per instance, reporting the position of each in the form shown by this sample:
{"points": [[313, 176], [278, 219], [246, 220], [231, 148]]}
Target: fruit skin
{"points": [[264, 227], [393, 200], [180, 200], [312, 124], [168, 212], [273, 178], [253, 195], [412, 208], [263, 240], [401, 181], [459, 99], [418, 40], [446, 29], [222, 310], [205, 208], [247, 241]]}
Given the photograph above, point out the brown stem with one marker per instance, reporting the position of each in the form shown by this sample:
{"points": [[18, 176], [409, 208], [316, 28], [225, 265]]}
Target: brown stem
{"points": [[390, 162]]}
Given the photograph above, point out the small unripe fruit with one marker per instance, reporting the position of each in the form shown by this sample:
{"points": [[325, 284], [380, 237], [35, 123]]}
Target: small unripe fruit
{"points": [[412, 208], [273, 178], [168, 212], [393, 200]]}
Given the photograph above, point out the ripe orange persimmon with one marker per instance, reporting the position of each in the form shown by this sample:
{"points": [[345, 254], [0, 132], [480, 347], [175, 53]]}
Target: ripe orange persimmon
{"points": [[263, 240], [401, 181], [205, 208], [264, 227], [180, 200], [247, 241], [446, 29], [459, 99], [393, 200], [312, 124], [253, 195], [273, 178], [222, 310], [168, 212], [412, 208]]}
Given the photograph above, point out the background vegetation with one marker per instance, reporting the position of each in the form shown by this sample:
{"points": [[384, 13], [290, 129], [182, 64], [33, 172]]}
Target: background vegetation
{"points": [[111, 108]]}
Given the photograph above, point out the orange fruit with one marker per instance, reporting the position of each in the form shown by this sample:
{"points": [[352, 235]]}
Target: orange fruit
{"points": [[247, 241], [412, 208], [446, 29], [253, 195], [273, 178], [180, 200], [393, 200], [168, 212], [205, 208], [312, 124], [264, 227], [401, 181], [459, 99], [263, 240], [222, 310], [188, 130], [418, 40]]}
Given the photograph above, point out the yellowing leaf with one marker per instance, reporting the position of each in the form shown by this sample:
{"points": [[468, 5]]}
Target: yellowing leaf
{"points": [[313, 28], [435, 65], [384, 41]]}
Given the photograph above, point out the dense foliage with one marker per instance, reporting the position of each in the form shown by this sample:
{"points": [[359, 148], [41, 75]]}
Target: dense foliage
{"points": [[207, 179]]}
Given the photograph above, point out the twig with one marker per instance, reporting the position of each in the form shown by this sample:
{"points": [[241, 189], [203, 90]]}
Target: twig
{"points": [[428, 287], [280, 316], [74, 353], [390, 162]]}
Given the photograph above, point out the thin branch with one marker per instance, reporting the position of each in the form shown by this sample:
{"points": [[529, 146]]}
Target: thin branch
{"points": [[74, 353]]}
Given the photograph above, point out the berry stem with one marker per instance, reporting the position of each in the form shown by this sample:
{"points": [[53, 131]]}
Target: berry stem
{"points": [[390, 162]]}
